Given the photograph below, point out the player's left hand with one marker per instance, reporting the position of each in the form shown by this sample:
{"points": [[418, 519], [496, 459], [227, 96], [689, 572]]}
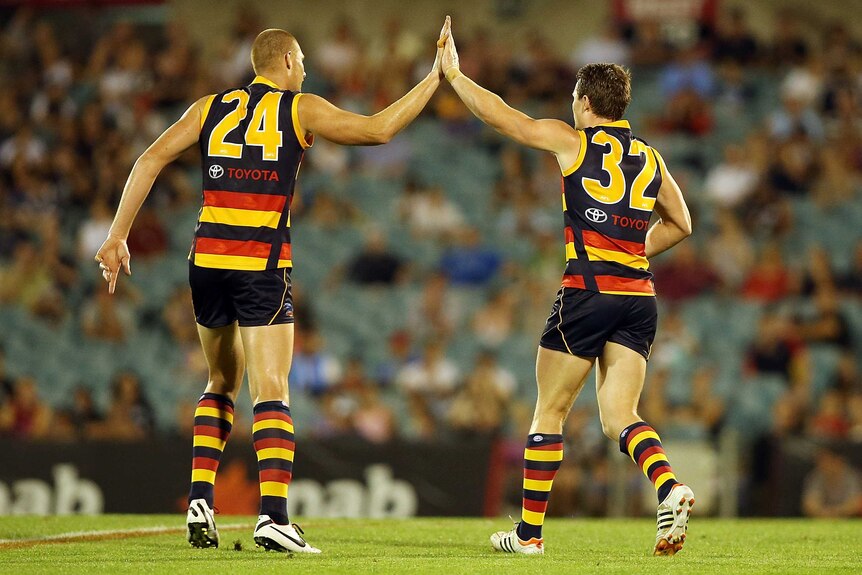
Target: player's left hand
{"points": [[113, 254], [441, 43]]}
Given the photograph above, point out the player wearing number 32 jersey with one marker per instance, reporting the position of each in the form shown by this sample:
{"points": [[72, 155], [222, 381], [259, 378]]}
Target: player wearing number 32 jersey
{"points": [[605, 311], [252, 140]]}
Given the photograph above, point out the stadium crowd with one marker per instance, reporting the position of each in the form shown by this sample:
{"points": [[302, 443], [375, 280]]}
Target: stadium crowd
{"points": [[761, 314]]}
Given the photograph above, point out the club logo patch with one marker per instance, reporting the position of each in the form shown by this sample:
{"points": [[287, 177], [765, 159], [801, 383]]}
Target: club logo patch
{"points": [[596, 215]]}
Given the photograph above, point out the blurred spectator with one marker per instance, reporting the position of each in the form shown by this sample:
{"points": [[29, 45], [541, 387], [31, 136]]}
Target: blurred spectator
{"points": [[480, 406], [371, 418], [82, 413], [339, 54], [429, 213], [430, 381], [314, 370], [731, 182], [375, 263], [774, 350], [730, 251], [734, 91], [606, 47], [789, 46], [793, 173], [770, 280], [688, 72], [817, 275], [25, 415], [130, 415], [468, 262], [675, 279], [148, 237], [796, 115], [648, 46], [833, 488], [827, 325], [435, 312], [686, 112], [108, 317], [734, 40], [829, 422], [400, 354], [675, 345], [835, 183], [494, 322]]}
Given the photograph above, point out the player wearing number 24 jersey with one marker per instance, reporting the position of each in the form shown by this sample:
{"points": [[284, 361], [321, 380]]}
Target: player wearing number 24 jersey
{"points": [[605, 311], [252, 140]]}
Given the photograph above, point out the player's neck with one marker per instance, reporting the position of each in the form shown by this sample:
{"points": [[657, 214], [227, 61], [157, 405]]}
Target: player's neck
{"points": [[591, 121], [278, 78]]}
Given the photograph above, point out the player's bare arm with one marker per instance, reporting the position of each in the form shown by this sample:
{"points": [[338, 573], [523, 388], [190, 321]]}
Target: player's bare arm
{"points": [[674, 224], [320, 117], [552, 136], [184, 133]]}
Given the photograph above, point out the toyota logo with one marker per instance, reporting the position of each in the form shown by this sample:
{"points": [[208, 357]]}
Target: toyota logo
{"points": [[216, 171], [596, 215]]}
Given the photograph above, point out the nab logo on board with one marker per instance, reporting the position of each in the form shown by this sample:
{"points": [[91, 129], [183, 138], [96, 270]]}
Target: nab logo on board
{"points": [[596, 215], [216, 171]]}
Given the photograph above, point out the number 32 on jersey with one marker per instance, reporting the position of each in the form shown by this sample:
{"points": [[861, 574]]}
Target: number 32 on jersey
{"points": [[615, 191], [262, 130]]}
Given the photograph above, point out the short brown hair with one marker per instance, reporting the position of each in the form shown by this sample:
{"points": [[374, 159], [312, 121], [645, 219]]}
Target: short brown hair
{"points": [[609, 88], [269, 46]]}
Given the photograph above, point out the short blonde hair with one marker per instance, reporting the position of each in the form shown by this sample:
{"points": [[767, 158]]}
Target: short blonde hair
{"points": [[268, 47]]}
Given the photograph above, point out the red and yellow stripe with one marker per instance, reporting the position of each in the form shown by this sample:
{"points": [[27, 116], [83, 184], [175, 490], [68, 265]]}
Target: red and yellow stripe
{"points": [[239, 209], [601, 248]]}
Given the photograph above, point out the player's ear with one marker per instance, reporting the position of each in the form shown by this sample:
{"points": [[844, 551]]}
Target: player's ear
{"points": [[287, 61]]}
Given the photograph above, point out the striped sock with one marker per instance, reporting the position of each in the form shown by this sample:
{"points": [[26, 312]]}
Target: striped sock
{"points": [[643, 445], [542, 458], [273, 442], [213, 422]]}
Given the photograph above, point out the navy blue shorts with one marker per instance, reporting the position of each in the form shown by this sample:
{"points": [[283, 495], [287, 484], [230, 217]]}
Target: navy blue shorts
{"points": [[583, 321], [221, 297]]}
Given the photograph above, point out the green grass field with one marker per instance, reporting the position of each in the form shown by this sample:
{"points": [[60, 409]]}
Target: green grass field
{"points": [[440, 546]]}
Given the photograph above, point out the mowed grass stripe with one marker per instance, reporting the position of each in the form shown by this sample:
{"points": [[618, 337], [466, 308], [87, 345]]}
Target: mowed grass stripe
{"points": [[106, 535]]}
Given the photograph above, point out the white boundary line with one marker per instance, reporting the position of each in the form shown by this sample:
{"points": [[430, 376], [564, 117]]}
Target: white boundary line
{"points": [[74, 536]]}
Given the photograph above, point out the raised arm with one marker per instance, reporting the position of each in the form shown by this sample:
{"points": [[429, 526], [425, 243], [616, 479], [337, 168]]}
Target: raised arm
{"points": [[114, 252], [322, 118], [550, 135], [675, 223]]}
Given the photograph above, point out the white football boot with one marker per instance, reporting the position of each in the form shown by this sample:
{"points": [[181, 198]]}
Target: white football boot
{"points": [[672, 520], [509, 542], [285, 538], [201, 524]]}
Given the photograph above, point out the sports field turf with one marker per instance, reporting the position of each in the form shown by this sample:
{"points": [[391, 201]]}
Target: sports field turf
{"points": [[439, 546]]}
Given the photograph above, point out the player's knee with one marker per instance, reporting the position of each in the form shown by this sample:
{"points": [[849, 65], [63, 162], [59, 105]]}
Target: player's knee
{"points": [[613, 424], [222, 386]]}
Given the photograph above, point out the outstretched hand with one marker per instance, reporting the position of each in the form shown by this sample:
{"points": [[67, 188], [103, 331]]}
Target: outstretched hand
{"points": [[449, 60], [113, 254], [441, 43]]}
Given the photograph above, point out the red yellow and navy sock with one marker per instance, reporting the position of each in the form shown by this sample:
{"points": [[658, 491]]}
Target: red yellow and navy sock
{"points": [[213, 422], [542, 458], [643, 445], [274, 445]]}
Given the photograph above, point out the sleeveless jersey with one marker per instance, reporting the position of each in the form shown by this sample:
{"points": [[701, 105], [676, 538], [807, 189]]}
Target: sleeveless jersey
{"points": [[251, 146], [608, 198]]}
